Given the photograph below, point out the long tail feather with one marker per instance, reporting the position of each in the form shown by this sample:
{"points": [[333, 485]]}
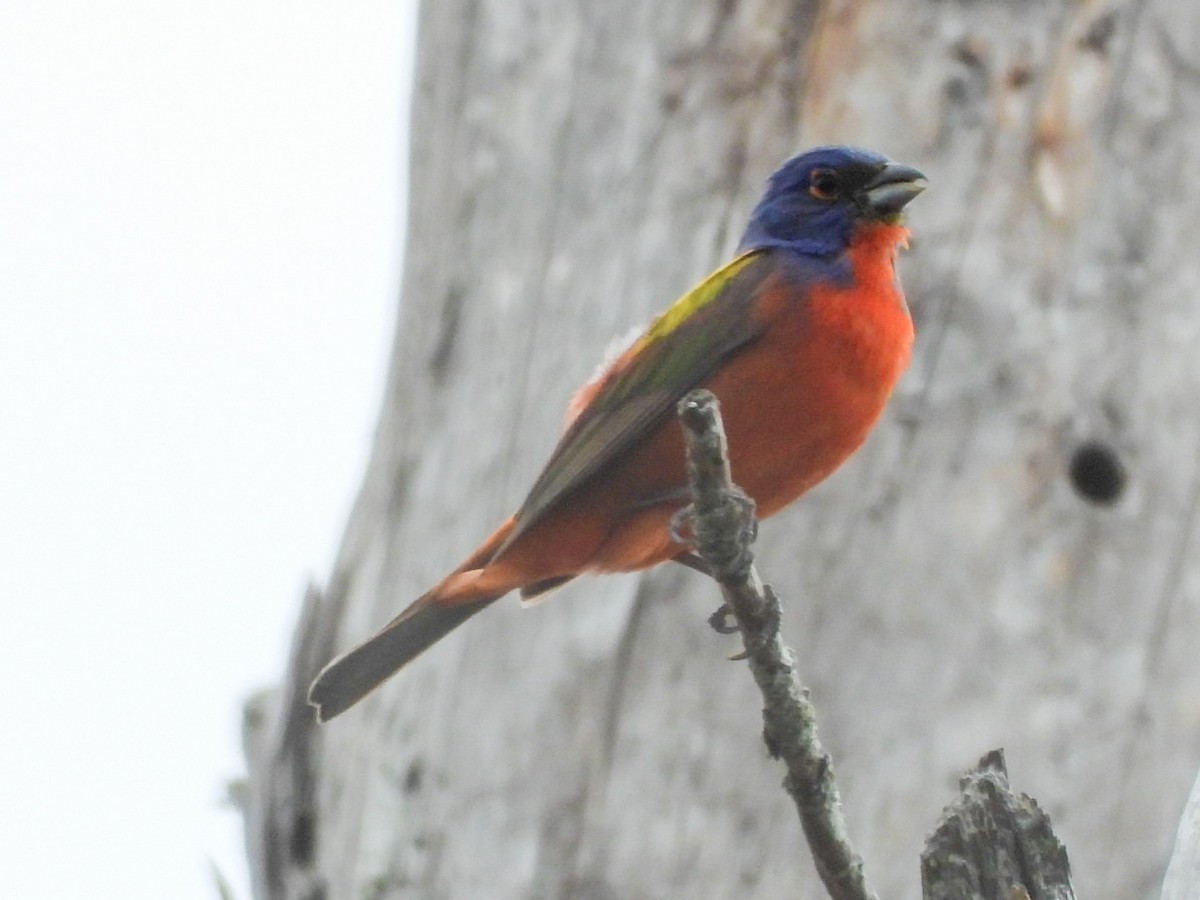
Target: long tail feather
{"points": [[459, 596], [353, 675]]}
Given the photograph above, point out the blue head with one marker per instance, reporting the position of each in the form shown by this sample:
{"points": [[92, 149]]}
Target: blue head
{"points": [[815, 199]]}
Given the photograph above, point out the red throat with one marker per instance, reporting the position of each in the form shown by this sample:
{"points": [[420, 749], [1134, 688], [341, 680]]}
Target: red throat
{"points": [[870, 318], [872, 252]]}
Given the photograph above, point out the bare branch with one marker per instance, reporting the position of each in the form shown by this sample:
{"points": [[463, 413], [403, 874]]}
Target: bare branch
{"points": [[722, 523]]}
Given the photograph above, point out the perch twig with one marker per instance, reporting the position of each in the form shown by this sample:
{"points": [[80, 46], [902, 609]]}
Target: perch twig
{"points": [[722, 524]]}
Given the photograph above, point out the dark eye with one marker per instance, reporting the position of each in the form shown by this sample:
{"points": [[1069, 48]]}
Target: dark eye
{"points": [[824, 184]]}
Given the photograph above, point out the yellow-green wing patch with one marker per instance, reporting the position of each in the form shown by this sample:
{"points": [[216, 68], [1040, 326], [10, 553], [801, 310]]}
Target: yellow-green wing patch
{"points": [[679, 351], [694, 300]]}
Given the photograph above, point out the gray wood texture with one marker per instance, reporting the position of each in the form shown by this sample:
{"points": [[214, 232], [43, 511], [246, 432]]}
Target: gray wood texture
{"points": [[577, 164], [994, 844], [1182, 881]]}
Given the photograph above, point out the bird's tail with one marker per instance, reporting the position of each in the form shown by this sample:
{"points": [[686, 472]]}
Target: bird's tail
{"points": [[431, 617], [353, 675]]}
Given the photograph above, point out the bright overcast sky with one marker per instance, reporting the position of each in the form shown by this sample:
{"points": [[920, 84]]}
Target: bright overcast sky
{"points": [[199, 242]]}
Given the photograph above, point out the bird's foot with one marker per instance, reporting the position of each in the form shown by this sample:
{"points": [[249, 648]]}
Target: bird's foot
{"points": [[694, 562], [722, 621], [682, 530]]}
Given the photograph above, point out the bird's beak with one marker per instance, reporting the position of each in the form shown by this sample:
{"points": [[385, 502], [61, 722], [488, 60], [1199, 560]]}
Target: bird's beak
{"points": [[889, 191]]}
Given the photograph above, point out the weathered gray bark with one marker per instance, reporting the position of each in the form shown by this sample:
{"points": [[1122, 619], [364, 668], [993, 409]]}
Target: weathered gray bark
{"points": [[576, 164], [1182, 881], [994, 844]]}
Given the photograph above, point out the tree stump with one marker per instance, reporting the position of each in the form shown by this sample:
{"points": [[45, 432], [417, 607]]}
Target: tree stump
{"points": [[992, 844]]}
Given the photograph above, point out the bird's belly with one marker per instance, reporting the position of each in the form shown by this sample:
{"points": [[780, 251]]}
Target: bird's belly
{"points": [[791, 414], [792, 446], [797, 407]]}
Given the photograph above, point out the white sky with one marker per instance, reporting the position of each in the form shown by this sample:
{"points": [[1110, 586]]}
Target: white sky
{"points": [[199, 242]]}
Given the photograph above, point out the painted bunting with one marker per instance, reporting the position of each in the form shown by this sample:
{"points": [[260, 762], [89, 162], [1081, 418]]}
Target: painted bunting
{"points": [[801, 337]]}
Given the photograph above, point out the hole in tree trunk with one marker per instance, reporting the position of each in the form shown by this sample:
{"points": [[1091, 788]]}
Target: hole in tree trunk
{"points": [[1097, 474]]}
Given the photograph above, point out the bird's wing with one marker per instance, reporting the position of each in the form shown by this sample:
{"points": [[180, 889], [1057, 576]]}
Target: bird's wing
{"points": [[680, 349]]}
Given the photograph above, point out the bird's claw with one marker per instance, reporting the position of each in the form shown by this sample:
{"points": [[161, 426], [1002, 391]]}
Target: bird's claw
{"points": [[681, 528], [694, 562], [722, 621], [749, 519]]}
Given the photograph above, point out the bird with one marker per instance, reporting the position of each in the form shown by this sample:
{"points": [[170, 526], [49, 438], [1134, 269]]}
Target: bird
{"points": [[801, 337]]}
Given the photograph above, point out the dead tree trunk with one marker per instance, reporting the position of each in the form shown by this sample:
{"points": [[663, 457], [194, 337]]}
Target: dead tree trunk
{"points": [[1182, 881], [1010, 561]]}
